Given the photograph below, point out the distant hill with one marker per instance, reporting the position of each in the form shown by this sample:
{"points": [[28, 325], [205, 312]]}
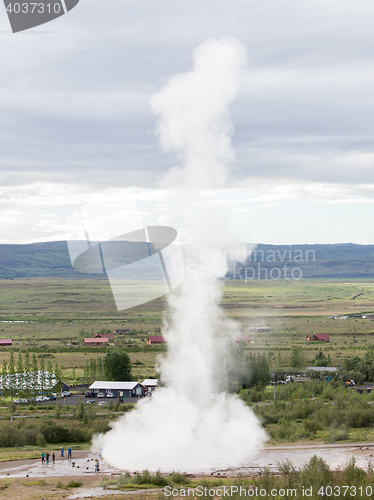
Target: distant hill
{"points": [[340, 261], [337, 261], [36, 260]]}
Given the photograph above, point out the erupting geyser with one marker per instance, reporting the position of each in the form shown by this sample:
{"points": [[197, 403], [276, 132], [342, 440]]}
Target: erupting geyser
{"points": [[191, 423]]}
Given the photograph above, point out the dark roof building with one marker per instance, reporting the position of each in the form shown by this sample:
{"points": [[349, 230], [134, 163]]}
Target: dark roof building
{"points": [[107, 335], [125, 389]]}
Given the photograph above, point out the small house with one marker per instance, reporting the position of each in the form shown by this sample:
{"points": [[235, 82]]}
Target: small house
{"points": [[150, 384], [96, 341], [107, 335], [156, 339], [6, 342], [118, 389], [242, 338], [321, 337]]}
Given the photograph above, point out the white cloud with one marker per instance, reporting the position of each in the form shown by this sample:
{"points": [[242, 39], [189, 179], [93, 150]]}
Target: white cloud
{"points": [[75, 117]]}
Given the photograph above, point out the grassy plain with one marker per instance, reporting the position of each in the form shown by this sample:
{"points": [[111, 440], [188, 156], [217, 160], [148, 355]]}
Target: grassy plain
{"points": [[55, 311]]}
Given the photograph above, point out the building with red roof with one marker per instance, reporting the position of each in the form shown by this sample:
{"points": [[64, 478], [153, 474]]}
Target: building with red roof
{"points": [[6, 342], [96, 341], [320, 337], [156, 339], [242, 338]]}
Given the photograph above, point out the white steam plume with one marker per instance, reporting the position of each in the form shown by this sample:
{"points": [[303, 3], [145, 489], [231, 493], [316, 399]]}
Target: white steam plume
{"points": [[182, 427], [194, 120]]}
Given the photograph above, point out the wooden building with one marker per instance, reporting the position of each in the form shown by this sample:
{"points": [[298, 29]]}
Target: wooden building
{"points": [[6, 342], [96, 341], [321, 337], [155, 339]]}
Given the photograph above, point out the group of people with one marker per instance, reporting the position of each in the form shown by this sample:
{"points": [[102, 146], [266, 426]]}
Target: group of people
{"points": [[46, 455], [63, 451]]}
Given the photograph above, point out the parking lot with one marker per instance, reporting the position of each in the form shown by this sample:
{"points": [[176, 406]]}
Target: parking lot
{"points": [[76, 398]]}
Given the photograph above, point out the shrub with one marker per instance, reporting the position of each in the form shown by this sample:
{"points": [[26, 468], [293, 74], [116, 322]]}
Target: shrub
{"points": [[124, 479], [74, 483], [100, 427], [159, 480], [143, 478], [80, 411], [54, 433], [316, 473], [337, 434], [40, 440], [57, 412], [353, 474], [311, 427], [30, 435], [178, 478]]}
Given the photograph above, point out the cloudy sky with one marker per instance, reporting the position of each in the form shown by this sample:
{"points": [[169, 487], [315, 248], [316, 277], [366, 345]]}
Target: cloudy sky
{"points": [[76, 122]]}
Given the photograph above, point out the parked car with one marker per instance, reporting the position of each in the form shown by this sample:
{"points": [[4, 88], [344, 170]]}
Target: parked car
{"points": [[100, 395], [110, 395], [39, 399], [89, 394], [90, 402], [102, 403], [52, 397], [65, 394]]}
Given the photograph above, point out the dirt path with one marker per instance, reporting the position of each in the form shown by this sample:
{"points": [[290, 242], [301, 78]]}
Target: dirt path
{"points": [[83, 462], [6, 464], [336, 455]]}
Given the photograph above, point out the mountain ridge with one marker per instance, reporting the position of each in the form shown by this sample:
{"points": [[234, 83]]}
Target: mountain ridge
{"points": [[315, 261]]}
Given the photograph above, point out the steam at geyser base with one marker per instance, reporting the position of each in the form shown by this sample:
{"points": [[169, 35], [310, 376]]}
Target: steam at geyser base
{"points": [[192, 423]]}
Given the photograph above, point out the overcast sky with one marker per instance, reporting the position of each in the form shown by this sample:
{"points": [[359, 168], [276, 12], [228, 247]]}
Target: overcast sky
{"points": [[76, 121]]}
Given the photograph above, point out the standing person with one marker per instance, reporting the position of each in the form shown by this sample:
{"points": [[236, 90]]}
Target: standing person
{"points": [[43, 455], [47, 457], [62, 452], [53, 458], [69, 453]]}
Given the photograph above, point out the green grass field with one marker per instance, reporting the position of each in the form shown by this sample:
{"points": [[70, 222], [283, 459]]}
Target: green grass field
{"points": [[57, 310]]}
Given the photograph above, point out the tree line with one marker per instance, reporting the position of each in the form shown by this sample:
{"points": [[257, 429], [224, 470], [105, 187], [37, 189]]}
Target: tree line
{"points": [[115, 366]]}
